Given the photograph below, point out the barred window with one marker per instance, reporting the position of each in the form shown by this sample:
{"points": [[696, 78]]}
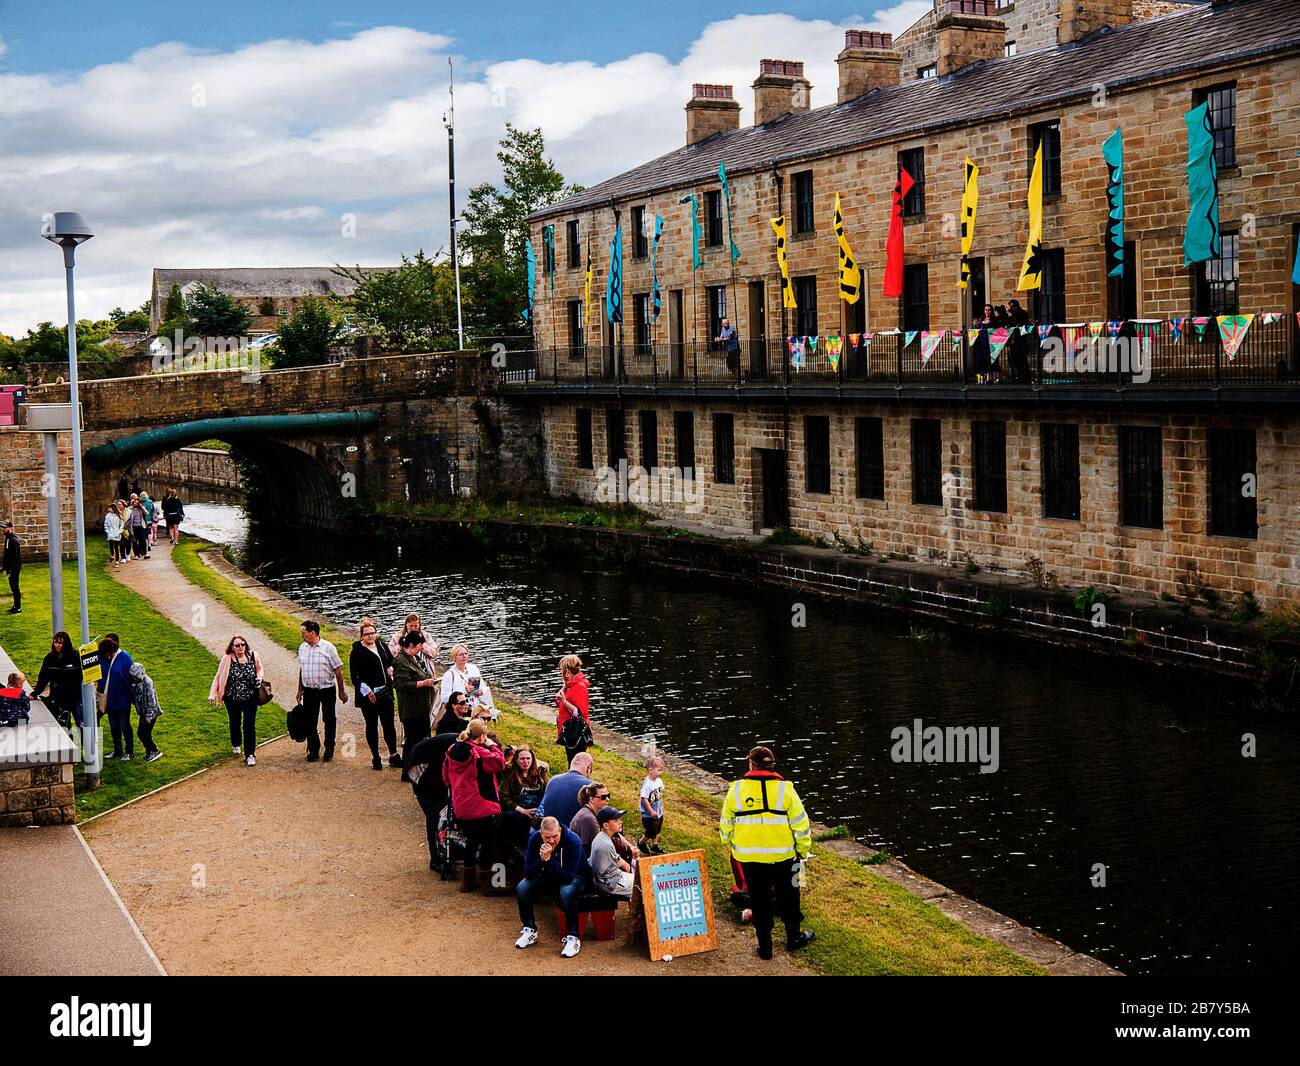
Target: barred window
{"points": [[1048, 134], [913, 161], [989, 450], [684, 442], [927, 478], [817, 453], [649, 440], [869, 453], [584, 438], [615, 444], [804, 219], [1060, 470], [1218, 281], [1223, 120], [1141, 477], [1232, 483], [724, 449]]}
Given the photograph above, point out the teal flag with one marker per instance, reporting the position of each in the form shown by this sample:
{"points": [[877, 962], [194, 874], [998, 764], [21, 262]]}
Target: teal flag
{"points": [[614, 286], [548, 239], [1295, 273], [1113, 152], [655, 297], [530, 257], [726, 195], [1202, 240], [696, 230]]}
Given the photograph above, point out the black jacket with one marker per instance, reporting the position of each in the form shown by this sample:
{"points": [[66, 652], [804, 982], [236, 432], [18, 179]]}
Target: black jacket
{"points": [[13, 556], [63, 675], [364, 667], [173, 511]]}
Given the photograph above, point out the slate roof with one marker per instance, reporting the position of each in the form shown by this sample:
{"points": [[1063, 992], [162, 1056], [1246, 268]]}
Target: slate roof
{"points": [[258, 281], [1141, 51]]}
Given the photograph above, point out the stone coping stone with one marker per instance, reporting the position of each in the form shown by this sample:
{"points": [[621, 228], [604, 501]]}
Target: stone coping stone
{"points": [[41, 741]]}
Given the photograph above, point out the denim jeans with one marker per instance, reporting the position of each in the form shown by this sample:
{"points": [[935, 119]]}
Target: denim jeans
{"points": [[567, 896]]}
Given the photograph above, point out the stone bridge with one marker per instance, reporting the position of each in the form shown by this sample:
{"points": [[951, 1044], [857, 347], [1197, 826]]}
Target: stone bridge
{"points": [[386, 429]]}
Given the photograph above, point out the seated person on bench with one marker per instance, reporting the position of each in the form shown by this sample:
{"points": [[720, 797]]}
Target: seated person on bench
{"points": [[611, 874], [554, 863]]}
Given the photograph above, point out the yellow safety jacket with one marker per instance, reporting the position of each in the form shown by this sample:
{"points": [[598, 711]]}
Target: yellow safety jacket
{"points": [[763, 820]]}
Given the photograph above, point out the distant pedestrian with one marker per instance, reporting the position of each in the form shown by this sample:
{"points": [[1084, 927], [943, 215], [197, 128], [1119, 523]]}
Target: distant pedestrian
{"points": [[371, 666], [113, 534], [151, 512], [572, 719], [115, 691], [61, 672], [464, 676], [320, 671], [173, 515], [145, 697], [236, 684], [416, 686], [139, 527], [730, 344], [13, 565], [412, 625]]}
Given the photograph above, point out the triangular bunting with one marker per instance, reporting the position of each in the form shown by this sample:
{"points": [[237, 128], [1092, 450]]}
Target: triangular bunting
{"points": [[834, 345], [1176, 328], [1232, 331], [909, 337], [1270, 317], [972, 335], [997, 341], [796, 352], [930, 342], [1095, 328], [812, 344], [1043, 331], [1201, 322]]}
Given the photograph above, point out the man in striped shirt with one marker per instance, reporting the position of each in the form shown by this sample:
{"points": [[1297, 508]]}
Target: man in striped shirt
{"points": [[320, 670]]}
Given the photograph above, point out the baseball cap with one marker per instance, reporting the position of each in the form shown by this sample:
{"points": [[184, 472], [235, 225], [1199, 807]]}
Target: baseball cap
{"points": [[609, 814]]}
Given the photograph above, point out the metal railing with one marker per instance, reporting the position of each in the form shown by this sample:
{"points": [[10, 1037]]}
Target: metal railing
{"points": [[1065, 357]]}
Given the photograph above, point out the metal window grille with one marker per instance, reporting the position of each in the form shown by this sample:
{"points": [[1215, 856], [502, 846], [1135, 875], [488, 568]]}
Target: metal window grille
{"points": [[615, 444], [724, 449], [1233, 510], [684, 440], [927, 479], [817, 453], [584, 438], [1141, 477], [989, 447], [1060, 470], [649, 440], [869, 452]]}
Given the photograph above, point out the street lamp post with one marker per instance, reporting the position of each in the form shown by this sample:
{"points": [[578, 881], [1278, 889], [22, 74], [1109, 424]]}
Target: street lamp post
{"points": [[68, 229]]}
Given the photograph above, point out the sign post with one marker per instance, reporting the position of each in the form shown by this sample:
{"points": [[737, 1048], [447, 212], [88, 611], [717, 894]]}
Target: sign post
{"points": [[678, 903]]}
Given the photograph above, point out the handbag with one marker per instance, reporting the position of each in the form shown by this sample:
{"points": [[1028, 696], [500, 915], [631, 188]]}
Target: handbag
{"points": [[296, 720], [264, 694]]}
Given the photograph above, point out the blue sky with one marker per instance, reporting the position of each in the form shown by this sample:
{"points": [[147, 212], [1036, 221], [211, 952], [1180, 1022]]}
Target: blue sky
{"points": [[234, 133]]}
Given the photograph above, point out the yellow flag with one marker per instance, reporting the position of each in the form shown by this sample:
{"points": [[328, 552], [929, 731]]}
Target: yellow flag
{"points": [[970, 199], [1031, 274], [586, 299], [787, 290], [850, 272]]}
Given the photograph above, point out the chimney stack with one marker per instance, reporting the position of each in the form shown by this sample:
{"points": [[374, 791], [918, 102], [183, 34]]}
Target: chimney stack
{"points": [[711, 109], [1082, 17], [779, 89], [867, 62], [969, 31]]}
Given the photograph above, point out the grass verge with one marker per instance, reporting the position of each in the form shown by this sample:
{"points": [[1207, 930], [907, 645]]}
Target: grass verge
{"points": [[865, 925]]}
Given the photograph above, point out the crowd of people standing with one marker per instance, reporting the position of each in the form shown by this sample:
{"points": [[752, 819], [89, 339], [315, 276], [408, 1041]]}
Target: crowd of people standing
{"points": [[131, 525]]}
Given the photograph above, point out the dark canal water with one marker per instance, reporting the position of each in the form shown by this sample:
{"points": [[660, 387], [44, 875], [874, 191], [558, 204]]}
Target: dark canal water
{"points": [[1100, 762]]}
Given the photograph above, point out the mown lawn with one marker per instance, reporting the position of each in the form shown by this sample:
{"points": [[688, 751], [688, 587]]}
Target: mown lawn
{"points": [[864, 924], [190, 733]]}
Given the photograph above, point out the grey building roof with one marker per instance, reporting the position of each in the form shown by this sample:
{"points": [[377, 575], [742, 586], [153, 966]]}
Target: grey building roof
{"points": [[257, 281], [1141, 51]]}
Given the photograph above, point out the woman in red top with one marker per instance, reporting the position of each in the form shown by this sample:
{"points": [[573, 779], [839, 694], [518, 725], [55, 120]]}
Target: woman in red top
{"points": [[571, 702], [470, 771]]}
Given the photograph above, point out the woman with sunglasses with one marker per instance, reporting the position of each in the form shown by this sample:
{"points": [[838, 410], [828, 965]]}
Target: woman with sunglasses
{"points": [[238, 679], [371, 666]]}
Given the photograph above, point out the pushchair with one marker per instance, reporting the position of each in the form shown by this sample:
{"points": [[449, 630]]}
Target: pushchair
{"points": [[449, 844]]}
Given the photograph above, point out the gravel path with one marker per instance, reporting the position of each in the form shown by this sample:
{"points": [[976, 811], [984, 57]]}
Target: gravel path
{"points": [[292, 867]]}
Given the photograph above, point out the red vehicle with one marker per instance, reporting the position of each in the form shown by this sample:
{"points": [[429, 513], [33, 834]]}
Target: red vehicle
{"points": [[10, 398]]}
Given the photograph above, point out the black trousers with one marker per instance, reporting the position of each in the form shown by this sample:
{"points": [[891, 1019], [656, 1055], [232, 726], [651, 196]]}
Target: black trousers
{"points": [[376, 714], [140, 541], [319, 703], [431, 802], [763, 880], [414, 730], [243, 713], [145, 730], [13, 587], [480, 838]]}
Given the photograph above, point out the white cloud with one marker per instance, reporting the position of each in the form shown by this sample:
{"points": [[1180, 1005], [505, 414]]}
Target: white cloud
{"points": [[180, 156]]}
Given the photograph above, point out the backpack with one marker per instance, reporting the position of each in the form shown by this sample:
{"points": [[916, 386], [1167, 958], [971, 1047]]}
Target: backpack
{"points": [[296, 719]]}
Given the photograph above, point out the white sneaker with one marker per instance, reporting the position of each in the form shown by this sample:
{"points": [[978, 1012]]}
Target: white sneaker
{"points": [[527, 938], [572, 945], [250, 761], [236, 750]]}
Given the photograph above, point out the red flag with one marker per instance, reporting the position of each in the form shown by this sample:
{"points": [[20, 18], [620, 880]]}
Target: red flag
{"points": [[894, 245]]}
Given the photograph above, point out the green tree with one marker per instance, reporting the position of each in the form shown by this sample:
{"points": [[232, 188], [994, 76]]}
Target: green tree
{"points": [[306, 336], [175, 316], [494, 276], [133, 322], [412, 308], [214, 313]]}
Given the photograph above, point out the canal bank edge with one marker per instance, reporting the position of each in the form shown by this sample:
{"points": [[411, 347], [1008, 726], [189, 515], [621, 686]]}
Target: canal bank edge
{"points": [[1134, 627], [1054, 957]]}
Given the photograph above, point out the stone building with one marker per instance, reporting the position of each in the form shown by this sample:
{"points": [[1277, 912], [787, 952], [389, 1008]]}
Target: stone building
{"points": [[1109, 481]]}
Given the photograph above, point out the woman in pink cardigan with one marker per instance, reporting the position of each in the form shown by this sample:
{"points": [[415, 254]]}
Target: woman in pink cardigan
{"points": [[236, 685]]}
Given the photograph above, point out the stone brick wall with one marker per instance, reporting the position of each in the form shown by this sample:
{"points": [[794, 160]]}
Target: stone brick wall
{"points": [[22, 490], [37, 795], [1096, 550]]}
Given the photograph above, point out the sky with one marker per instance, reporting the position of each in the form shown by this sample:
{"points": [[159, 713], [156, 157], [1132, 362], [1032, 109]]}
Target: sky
{"points": [[309, 132]]}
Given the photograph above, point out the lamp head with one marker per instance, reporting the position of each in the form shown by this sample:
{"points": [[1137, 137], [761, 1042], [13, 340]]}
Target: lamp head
{"points": [[66, 227]]}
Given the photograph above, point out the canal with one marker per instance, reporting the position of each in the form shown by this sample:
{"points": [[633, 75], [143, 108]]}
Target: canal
{"points": [[1106, 769]]}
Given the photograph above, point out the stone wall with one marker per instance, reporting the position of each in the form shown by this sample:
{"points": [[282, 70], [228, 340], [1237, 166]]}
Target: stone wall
{"points": [[1096, 550], [22, 490], [37, 795]]}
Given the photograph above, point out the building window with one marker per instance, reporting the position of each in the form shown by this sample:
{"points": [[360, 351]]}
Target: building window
{"points": [[913, 161], [1048, 134], [1141, 478], [641, 322], [916, 296], [925, 73], [927, 480], [1232, 483], [584, 438], [1060, 470], [649, 441], [716, 295], [1049, 298], [805, 318], [640, 247], [869, 453], [574, 241], [1223, 120], [724, 449], [684, 442], [713, 217], [576, 340], [1217, 279], [804, 220], [817, 453], [615, 445], [548, 257], [1006, 5], [989, 452], [1009, 49], [1122, 292]]}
